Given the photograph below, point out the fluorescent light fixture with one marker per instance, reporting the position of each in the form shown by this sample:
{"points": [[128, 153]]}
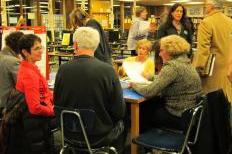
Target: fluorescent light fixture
{"points": [[43, 2], [116, 5]]}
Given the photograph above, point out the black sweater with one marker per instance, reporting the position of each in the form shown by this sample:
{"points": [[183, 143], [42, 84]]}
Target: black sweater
{"points": [[87, 83]]}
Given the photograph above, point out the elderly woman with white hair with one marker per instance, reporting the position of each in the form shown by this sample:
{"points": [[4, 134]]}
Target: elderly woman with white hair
{"points": [[177, 82]]}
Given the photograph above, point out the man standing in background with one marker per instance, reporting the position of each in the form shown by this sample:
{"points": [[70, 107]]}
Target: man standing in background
{"points": [[214, 36]]}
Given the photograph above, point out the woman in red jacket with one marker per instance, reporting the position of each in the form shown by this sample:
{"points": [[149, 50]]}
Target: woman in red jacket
{"points": [[38, 97]]}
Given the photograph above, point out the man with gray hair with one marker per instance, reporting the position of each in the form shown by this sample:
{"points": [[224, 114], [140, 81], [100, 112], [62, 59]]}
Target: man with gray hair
{"points": [[214, 36], [88, 83]]}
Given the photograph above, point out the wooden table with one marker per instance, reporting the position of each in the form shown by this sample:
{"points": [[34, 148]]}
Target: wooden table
{"points": [[134, 99]]}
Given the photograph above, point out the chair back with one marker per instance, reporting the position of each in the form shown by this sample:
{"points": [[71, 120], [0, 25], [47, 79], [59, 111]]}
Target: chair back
{"points": [[76, 123], [193, 118]]}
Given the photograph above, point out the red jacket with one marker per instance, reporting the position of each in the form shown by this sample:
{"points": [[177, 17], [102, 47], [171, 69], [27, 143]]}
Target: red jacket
{"points": [[31, 82]]}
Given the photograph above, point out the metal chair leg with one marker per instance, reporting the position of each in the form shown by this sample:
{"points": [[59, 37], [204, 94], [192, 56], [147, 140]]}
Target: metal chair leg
{"points": [[189, 151]]}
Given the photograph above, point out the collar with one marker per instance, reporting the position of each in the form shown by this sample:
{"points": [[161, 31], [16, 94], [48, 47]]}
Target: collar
{"points": [[30, 66], [213, 12], [8, 51], [83, 56]]}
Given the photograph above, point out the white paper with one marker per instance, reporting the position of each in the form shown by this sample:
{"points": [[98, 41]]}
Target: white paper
{"points": [[134, 72]]}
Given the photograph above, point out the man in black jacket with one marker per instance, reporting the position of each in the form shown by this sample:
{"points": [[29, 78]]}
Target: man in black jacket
{"points": [[88, 83]]}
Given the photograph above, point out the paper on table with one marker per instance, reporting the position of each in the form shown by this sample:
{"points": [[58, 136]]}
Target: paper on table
{"points": [[134, 72]]}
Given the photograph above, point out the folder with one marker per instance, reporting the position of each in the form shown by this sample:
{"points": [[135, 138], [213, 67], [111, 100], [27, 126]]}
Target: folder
{"points": [[208, 71]]}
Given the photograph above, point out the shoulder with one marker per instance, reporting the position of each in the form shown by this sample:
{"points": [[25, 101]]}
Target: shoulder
{"points": [[9, 60]]}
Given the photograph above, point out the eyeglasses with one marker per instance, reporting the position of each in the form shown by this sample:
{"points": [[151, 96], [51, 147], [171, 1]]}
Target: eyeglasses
{"points": [[38, 48]]}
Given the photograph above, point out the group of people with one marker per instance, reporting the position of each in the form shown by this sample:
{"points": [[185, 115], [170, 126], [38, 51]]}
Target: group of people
{"points": [[90, 82]]}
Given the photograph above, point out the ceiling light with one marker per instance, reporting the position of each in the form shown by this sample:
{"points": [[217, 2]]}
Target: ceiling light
{"points": [[180, 1]]}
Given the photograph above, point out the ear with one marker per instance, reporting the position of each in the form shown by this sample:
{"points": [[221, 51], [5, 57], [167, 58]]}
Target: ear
{"points": [[25, 53]]}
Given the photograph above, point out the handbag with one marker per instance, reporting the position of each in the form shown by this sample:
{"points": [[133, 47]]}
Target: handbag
{"points": [[11, 119]]}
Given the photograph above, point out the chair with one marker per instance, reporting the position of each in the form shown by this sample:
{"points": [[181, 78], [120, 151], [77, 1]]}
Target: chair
{"points": [[75, 125], [173, 141]]}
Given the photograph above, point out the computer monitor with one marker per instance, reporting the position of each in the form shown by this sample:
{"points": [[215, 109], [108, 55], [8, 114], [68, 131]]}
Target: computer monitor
{"points": [[67, 38], [113, 35]]}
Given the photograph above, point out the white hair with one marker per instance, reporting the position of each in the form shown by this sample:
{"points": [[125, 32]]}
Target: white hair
{"points": [[216, 3], [86, 38]]}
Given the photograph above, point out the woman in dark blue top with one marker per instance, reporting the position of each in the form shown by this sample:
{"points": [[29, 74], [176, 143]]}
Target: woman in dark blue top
{"points": [[176, 23]]}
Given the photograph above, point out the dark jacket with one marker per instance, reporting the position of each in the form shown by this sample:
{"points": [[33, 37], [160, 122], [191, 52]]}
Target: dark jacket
{"points": [[103, 51], [165, 30], [87, 83]]}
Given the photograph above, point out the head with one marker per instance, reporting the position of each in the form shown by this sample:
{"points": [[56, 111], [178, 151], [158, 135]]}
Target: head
{"points": [[141, 12], [12, 39], [177, 12], [86, 41], [78, 17], [143, 48], [172, 46], [30, 48], [211, 5]]}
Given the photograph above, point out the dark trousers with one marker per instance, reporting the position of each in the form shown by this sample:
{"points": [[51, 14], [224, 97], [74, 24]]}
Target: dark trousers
{"points": [[154, 115], [214, 135]]}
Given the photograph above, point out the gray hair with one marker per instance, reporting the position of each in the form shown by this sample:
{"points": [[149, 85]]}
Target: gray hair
{"points": [[216, 3], [86, 38]]}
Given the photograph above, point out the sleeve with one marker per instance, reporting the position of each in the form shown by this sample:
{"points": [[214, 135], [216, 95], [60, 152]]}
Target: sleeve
{"points": [[32, 95], [203, 47], [118, 107], [161, 32], [166, 76], [149, 68], [133, 33]]}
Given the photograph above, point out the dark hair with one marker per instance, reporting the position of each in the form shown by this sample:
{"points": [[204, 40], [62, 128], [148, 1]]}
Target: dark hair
{"points": [[158, 60], [184, 20], [12, 40], [139, 10], [77, 17], [26, 42]]}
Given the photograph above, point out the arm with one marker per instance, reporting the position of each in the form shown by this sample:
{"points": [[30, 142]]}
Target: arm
{"points": [[32, 95], [118, 107], [203, 47], [149, 69], [167, 75]]}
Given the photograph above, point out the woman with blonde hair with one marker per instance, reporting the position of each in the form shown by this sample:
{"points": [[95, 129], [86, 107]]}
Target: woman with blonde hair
{"points": [[177, 82], [142, 60]]}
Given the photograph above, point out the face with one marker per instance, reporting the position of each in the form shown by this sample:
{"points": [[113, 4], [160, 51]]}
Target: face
{"points": [[164, 55], [36, 52], [178, 13], [143, 51], [143, 14]]}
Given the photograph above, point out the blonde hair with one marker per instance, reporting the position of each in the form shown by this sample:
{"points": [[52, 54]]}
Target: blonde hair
{"points": [[86, 38], [145, 43], [175, 45]]}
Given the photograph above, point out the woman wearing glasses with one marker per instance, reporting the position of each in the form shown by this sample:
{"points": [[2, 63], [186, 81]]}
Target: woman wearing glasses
{"points": [[38, 98]]}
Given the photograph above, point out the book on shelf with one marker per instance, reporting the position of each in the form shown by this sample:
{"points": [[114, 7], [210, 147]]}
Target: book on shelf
{"points": [[208, 71]]}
